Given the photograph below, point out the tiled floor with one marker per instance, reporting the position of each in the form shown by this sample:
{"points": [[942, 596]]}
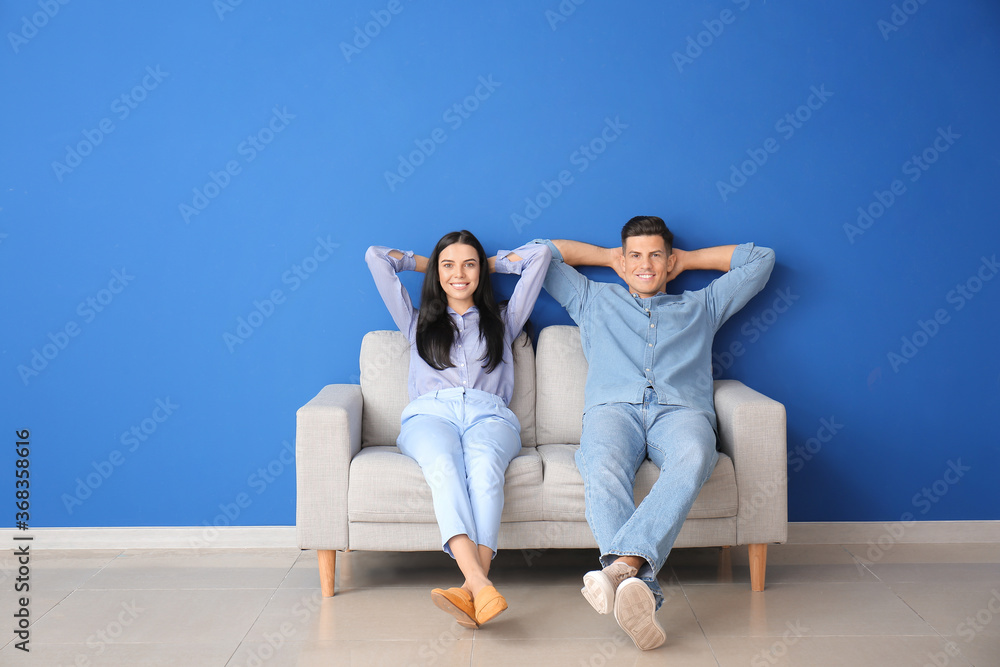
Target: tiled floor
{"points": [[824, 605]]}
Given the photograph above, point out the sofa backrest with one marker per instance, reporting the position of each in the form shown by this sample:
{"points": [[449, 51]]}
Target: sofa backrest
{"points": [[385, 367], [561, 371]]}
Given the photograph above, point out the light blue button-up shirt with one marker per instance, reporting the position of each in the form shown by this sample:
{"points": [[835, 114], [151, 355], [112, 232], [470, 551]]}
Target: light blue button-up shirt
{"points": [[468, 350], [664, 341]]}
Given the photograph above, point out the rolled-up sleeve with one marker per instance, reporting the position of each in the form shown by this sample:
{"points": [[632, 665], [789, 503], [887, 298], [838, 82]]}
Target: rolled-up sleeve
{"points": [[750, 267], [568, 286], [384, 269], [532, 266]]}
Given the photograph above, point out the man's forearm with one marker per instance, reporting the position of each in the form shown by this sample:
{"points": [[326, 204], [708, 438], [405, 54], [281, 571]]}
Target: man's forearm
{"points": [[718, 258], [577, 253]]}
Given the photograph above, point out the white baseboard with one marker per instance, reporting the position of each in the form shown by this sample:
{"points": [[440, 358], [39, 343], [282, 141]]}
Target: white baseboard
{"points": [[195, 537], [910, 532], [278, 537]]}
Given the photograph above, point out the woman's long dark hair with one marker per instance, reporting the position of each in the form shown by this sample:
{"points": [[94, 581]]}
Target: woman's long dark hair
{"points": [[436, 331]]}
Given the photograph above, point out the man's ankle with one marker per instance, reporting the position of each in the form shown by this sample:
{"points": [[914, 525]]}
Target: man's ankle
{"points": [[631, 561]]}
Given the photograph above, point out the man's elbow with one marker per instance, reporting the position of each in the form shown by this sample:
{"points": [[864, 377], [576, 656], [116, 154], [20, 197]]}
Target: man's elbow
{"points": [[765, 255]]}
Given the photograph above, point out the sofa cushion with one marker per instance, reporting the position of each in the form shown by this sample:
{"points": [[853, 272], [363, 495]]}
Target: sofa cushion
{"points": [[563, 499], [387, 486], [385, 367], [562, 375]]}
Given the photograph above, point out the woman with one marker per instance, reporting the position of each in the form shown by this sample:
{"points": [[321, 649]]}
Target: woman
{"points": [[457, 426]]}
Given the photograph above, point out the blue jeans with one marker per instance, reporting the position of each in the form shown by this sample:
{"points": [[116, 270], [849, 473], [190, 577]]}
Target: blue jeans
{"points": [[463, 440], [617, 438]]}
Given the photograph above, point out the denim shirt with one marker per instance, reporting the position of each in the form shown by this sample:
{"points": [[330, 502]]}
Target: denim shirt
{"points": [[663, 341], [468, 350]]}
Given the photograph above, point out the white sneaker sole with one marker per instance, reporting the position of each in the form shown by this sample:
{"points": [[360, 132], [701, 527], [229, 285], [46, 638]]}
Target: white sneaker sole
{"points": [[635, 611], [598, 591]]}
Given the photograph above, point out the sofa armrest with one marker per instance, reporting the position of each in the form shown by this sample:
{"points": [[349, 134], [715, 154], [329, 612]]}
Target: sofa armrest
{"points": [[752, 433], [327, 437]]}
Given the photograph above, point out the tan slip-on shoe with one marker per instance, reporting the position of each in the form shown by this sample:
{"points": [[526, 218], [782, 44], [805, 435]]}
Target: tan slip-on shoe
{"points": [[489, 603], [458, 603]]}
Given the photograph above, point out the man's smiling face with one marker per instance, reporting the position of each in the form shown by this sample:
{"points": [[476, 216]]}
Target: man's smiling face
{"points": [[646, 262]]}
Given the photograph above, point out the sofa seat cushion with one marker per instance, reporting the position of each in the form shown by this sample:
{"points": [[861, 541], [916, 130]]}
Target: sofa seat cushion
{"points": [[563, 499], [388, 486]]}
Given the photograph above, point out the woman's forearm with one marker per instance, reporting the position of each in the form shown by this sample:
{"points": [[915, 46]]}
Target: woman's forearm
{"points": [[421, 266]]}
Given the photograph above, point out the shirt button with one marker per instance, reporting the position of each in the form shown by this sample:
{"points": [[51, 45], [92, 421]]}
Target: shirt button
{"points": [[651, 326], [651, 345], [463, 364], [647, 370], [463, 382]]}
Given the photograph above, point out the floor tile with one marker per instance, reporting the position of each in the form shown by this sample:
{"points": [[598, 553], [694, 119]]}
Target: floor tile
{"points": [[370, 614], [892, 573], [447, 651], [887, 550], [811, 609], [119, 655], [785, 564], [57, 570], [690, 651], [194, 569], [885, 651], [823, 605], [151, 616], [957, 610], [561, 612]]}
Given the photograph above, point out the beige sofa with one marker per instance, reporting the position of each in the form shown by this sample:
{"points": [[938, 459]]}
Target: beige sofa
{"points": [[356, 491]]}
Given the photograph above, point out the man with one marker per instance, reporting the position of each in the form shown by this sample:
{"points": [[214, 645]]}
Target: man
{"points": [[649, 393]]}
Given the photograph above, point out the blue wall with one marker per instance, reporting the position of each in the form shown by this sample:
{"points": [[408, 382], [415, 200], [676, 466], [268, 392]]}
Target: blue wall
{"points": [[188, 190]]}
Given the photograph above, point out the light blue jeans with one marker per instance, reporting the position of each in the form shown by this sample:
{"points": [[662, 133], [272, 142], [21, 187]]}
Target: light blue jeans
{"points": [[463, 440], [617, 438]]}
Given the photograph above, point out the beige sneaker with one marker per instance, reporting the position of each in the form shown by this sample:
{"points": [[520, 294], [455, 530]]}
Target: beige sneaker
{"points": [[635, 611], [599, 586]]}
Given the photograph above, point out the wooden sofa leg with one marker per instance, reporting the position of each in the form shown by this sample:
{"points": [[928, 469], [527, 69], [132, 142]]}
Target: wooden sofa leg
{"points": [[758, 564], [327, 571]]}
